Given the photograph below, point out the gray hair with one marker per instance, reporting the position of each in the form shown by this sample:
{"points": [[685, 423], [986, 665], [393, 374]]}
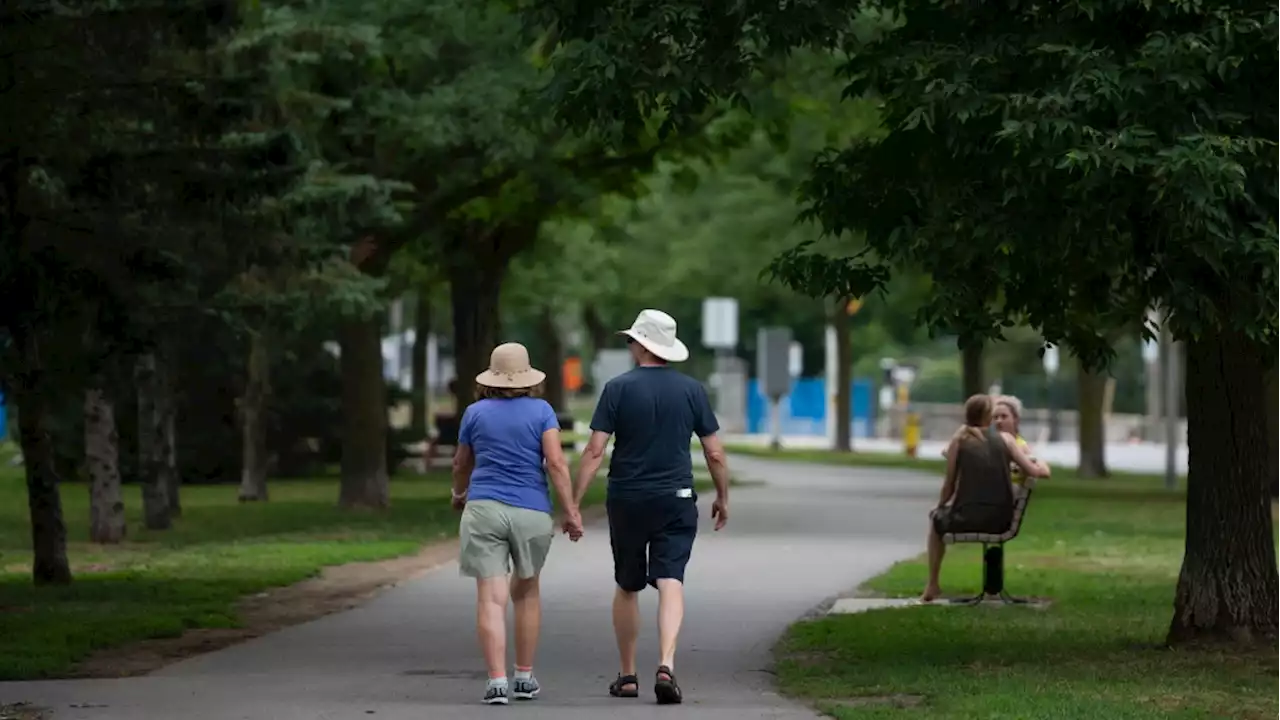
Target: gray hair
{"points": [[1013, 403]]}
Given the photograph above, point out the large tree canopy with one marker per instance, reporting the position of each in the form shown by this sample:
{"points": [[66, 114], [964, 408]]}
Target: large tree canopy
{"points": [[1064, 165]]}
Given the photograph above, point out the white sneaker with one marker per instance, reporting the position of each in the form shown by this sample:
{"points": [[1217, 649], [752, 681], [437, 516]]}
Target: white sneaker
{"points": [[525, 688], [495, 694]]}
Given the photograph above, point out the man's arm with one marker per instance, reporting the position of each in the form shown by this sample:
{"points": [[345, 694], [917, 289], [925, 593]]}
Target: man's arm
{"points": [[705, 426], [717, 464], [603, 423], [592, 456]]}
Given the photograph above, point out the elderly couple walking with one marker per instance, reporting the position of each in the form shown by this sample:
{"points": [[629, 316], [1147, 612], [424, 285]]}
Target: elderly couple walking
{"points": [[509, 443]]}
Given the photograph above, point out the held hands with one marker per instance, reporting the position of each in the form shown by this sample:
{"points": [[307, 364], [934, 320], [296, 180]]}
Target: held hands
{"points": [[720, 511], [572, 524]]}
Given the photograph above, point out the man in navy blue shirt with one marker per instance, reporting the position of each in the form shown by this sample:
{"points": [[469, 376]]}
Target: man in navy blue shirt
{"points": [[652, 412]]}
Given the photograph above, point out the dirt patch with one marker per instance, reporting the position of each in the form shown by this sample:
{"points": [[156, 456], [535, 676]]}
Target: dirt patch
{"points": [[22, 711], [337, 588], [810, 658], [896, 700]]}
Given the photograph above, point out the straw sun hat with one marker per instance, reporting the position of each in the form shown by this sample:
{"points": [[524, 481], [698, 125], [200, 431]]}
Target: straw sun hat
{"points": [[509, 368]]}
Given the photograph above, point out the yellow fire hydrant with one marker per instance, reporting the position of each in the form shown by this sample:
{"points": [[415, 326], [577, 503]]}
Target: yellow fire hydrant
{"points": [[911, 435]]}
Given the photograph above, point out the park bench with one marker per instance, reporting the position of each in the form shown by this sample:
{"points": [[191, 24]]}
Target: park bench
{"points": [[993, 551], [445, 440]]}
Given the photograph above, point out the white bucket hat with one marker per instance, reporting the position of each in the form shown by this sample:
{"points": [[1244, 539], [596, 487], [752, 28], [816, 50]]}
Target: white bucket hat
{"points": [[509, 368], [656, 332]]}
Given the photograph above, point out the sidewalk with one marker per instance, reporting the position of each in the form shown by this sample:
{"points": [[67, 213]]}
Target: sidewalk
{"points": [[807, 535]]}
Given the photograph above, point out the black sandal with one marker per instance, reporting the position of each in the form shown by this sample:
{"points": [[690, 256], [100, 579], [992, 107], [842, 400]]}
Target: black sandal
{"points": [[618, 688], [668, 690]]}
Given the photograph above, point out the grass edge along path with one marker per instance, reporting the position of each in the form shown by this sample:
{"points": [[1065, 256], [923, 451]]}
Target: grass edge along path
{"points": [[1107, 554], [205, 574]]}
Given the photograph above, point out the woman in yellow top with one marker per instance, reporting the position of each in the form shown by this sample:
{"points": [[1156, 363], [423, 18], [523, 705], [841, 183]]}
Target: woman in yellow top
{"points": [[1007, 416]]}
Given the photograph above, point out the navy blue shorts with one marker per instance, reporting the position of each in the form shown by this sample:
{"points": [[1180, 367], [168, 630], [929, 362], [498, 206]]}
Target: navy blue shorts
{"points": [[652, 538]]}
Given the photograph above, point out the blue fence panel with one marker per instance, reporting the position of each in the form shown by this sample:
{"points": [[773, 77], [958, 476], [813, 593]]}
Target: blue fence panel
{"points": [[804, 410]]}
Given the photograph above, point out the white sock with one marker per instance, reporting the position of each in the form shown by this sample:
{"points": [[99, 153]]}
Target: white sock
{"points": [[498, 682], [524, 674]]}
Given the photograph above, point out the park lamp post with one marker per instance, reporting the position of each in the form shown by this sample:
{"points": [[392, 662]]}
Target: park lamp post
{"points": [[1051, 372]]}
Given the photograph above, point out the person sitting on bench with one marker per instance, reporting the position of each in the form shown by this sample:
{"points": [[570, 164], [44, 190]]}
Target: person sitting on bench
{"points": [[1006, 415], [446, 432], [977, 494]]}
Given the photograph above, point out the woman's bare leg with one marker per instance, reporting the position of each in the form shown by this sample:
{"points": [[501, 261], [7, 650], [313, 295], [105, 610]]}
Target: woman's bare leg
{"points": [[527, 597], [491, 622], [936, 550]]}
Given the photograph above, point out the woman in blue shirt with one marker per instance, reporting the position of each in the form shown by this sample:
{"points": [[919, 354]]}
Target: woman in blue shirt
{"points": [[499, 482]]}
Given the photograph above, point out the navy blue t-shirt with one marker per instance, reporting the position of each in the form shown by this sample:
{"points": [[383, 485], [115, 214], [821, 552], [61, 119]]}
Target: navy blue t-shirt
{"points": [[652, 412]]}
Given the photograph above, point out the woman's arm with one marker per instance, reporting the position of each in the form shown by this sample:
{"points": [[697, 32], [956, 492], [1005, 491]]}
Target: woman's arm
{"points": [[464, 461], [558, 469], [1029, 467]]}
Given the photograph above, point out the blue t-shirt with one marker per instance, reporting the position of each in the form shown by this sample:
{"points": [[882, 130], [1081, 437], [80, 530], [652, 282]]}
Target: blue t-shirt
{"points": [[506, 437], [653, 413]]}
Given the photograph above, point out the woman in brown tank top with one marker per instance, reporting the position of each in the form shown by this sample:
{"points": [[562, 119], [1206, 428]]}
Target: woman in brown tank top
{"points": [[977, 495]]}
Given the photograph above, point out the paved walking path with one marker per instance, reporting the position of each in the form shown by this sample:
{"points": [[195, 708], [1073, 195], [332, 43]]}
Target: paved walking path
{"points": [[809, 533], [1140, 458]]}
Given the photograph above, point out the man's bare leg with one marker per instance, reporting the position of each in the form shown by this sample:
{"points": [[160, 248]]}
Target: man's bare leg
{"points": [[670, 617], [937, 549], [626, 627]]}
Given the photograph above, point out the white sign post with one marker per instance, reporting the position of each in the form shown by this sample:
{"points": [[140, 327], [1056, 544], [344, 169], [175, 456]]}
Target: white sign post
{"points": [[1051, 361], [773, 350], [719, 323]]}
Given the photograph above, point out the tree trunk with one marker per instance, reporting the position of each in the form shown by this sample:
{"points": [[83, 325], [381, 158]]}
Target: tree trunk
{"points": [[44, 503], [167, 413], [421, 330], [843, 406], [596, 329], [1227, 587], [253, 421], [475, 295], [155, 488], [1272, 395], [552, 360], [972, 377], [102, 456], [1091, 390], [364, 408]]}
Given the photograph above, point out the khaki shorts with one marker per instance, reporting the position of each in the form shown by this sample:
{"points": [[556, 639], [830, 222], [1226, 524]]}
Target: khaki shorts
{"points": [[493, 535]]}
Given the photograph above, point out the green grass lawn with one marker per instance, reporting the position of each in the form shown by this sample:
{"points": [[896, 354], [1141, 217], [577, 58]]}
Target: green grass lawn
{"points": [[158, 584], [1107, 553]]}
